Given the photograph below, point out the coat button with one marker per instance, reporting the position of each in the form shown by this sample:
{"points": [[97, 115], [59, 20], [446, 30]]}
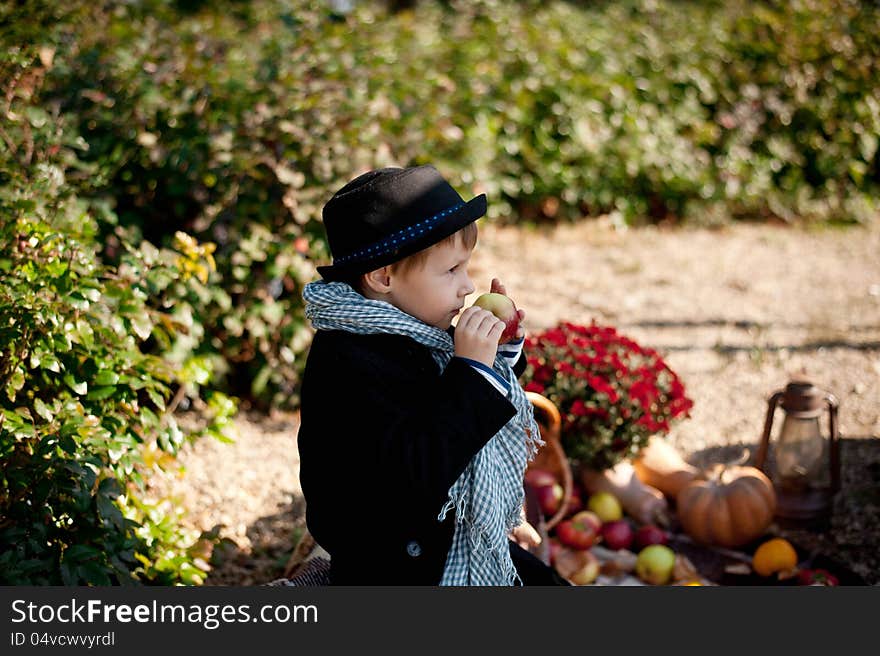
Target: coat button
{"points": [[414, 549]]}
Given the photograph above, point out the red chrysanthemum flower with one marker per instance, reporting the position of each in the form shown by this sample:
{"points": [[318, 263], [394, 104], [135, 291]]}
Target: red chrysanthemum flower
{"points": [[613, 393]]}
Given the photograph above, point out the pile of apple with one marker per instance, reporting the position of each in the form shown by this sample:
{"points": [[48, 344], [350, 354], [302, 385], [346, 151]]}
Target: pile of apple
{"points": [[599, 526]]}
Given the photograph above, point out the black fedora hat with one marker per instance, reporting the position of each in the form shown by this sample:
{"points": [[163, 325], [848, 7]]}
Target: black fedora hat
{"points": [[386, 214]]}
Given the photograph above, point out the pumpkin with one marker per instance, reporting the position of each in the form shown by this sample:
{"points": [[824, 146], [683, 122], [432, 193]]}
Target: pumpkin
{"points": [[731, 507], [660, 465]]}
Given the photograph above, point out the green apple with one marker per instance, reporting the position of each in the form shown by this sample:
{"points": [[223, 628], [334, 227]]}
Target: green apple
{"points": [[655, 563], [605, 505]]}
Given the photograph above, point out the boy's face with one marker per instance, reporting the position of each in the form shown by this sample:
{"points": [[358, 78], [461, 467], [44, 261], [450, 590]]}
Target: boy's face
{"points": [[434, 291]]}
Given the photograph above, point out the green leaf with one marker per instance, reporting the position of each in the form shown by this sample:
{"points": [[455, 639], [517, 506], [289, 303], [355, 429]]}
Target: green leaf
{"points": [[109, 487], [98, 393], [50, 362], [110, 512], [94, 295], [106, 377], [43, 410], [56, 268], [93, 573], [68, 574], [134, 382], [868, 145], [142, 326], [80, 552], [85, 332], [16, 382], [79, 387], [37, 116], [258, 386], [67, 444], [77, 301], [156, 398]]}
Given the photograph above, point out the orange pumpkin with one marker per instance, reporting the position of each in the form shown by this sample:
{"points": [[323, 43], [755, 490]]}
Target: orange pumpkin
{"points": [[731, 507]]}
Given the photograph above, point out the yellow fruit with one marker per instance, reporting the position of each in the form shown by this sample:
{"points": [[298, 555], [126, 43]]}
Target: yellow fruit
{"points": [[774, 555], [605, 505]]}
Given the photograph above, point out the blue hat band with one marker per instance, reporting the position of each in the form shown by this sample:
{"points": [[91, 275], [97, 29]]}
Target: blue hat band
{"points": [[398, 239]]}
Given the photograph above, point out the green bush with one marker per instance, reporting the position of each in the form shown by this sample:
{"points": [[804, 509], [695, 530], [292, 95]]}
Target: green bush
{"points": [[186, 125], [800, 109], [83, 403], [235, 122]]}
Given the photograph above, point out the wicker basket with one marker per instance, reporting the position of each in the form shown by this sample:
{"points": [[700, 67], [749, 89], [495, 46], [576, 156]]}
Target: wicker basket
{"points": [[551, 456]]}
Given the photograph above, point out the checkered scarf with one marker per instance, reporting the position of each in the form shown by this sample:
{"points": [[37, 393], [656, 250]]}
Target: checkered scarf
{"points": [[488, 496]]}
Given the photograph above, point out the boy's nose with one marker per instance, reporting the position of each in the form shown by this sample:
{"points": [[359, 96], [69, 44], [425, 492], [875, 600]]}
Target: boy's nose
{"points": [[468, 287]]}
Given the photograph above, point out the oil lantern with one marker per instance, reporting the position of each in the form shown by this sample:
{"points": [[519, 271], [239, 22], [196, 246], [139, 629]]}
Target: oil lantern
{"points": [[803, 463]]}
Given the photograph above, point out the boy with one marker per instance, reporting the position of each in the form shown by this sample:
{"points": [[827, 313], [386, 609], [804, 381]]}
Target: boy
{"points": [[414, 436]]}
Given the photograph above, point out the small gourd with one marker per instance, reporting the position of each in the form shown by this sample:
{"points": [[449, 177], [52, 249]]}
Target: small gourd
{"points": [[660, 465]]}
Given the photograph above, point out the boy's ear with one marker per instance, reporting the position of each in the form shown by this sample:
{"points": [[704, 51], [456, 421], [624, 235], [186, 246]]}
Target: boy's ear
{"points": [[378, 280]]}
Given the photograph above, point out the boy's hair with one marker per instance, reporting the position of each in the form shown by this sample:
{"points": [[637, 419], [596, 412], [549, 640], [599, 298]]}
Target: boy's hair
{"points": [[468, 235]]}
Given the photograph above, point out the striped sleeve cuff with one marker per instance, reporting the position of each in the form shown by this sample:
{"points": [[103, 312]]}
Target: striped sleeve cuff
{"points": [[489, 374], [511, 350]]}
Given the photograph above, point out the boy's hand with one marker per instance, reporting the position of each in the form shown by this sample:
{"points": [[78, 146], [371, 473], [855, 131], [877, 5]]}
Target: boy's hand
{"points": [[526, 536], [497, 288], [476, 335]]}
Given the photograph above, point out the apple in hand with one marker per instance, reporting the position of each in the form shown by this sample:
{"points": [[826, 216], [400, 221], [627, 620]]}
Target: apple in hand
{"points": [[649, 534], [580, 531], [655, 563], [618, 534], [502, 307]]}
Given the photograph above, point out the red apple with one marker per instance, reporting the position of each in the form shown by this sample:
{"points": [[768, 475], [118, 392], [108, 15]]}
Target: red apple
{"points": [[581, 567], [549, 498], [580, 531], [649, 534], [548, 490], [503, 308], [817, 577], [618, 534], [574, 503], [537, 477]]}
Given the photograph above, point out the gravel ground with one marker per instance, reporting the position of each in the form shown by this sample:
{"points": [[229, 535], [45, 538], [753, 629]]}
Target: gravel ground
{"points": [[736, 311]]}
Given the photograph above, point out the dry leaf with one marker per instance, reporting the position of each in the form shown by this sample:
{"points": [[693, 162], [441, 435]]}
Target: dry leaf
{"points": [[684, 569], [570, 561], [619, 560]]}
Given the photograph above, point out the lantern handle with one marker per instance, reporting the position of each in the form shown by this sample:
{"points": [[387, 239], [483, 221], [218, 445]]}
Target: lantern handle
{"points": [[834, 451], [768, 423]]}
